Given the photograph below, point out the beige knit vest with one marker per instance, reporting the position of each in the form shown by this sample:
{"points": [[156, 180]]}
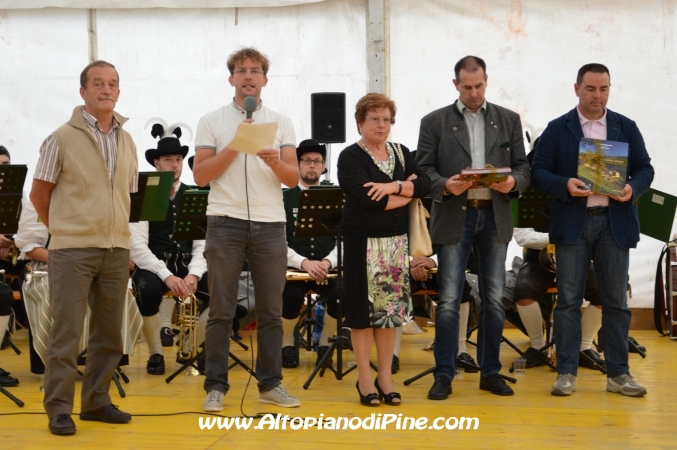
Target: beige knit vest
{"points": [[86, 210]]}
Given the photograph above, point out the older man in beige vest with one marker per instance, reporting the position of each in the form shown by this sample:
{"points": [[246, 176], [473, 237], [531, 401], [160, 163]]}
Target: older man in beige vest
{"points": [[81, 186]]}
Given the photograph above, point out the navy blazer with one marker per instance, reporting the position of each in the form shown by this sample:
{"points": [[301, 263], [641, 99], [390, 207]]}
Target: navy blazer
{"points": [[556, 161]]}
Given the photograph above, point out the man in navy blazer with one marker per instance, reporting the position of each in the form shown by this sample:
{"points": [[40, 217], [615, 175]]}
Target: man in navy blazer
{"points": [[471, 133], [586, 226]]}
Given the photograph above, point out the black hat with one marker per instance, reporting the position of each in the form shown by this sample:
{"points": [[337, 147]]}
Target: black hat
{"points": [[168, 144], [311, 145], [190, 162]]}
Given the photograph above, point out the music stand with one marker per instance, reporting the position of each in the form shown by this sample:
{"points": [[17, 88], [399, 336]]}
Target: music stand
{"points": [[11, 188], [319, 214], [192, 362], [191, 218], [533, 210], [12, 178], [191, 224]]}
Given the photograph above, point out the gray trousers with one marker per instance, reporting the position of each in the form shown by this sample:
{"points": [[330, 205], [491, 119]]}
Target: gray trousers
{"points": [[264, 245], [79, 277]]}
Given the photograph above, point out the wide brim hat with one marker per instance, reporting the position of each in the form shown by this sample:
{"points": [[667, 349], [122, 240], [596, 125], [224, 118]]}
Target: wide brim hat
{"points": [[311, 145], [166, 146]]}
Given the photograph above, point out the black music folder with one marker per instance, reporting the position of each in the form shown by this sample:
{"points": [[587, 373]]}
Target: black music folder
{"points": [[150, 201], [656, 214]]}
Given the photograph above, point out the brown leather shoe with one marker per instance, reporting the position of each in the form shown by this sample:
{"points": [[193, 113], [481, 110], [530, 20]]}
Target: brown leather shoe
{"points": [[62, 425], [108, 414]]}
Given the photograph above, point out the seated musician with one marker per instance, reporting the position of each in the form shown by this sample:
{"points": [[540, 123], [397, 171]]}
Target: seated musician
{"points": [[423, 280], [6, 301], [313, 255], [163, 264], [533, 280], [6, 294], [31, 239]]}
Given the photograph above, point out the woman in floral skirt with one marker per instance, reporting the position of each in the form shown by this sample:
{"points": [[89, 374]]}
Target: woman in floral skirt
{"points": [[379, 179]]}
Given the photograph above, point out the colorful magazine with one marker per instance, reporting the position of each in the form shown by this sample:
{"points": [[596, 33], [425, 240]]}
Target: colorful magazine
{"points": [[483, 178], [603, 165]]}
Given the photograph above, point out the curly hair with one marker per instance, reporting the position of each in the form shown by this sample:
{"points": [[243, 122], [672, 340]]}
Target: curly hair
{"points": [[251, 53]]}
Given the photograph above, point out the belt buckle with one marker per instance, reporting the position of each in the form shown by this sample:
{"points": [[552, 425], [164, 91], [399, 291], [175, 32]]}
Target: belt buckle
{"points": [[475, 203]]}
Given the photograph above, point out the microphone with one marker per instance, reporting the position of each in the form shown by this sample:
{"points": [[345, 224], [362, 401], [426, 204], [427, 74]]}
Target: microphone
{"points": [[250, 105]]}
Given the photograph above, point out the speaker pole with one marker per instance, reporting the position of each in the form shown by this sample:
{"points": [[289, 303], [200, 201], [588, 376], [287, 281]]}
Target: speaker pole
{"points": [[327, 176]]}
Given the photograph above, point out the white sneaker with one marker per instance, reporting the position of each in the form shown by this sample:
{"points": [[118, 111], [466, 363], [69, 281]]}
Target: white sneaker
{"points": [[625, 385], [280, 397], [213, 402], [565, 384]]}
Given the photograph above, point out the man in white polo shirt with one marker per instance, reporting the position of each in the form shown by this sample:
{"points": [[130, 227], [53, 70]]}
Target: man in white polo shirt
{"points": [[246, 221]]}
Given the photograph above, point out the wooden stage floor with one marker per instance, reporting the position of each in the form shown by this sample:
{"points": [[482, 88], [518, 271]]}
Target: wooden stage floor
{"points": [[167, 415]]}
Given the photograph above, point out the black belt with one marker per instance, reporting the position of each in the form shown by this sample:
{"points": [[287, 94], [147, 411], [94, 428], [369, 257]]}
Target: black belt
{"points": [[595, 210], [478, 203]]}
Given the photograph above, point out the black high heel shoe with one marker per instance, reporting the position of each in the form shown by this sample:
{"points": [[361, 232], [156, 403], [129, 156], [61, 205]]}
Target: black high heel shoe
{"points": [[367, 400], [388, 398]]}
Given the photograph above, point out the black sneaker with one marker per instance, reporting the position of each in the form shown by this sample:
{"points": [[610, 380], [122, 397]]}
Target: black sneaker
{"points": [[156, 364], [290, 359], [466, 359], [395, 367], [534, 358], [321, 351], [166, 337]]}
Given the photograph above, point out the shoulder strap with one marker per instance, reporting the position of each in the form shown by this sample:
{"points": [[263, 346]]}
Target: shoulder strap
{"points": [[398, 152]]}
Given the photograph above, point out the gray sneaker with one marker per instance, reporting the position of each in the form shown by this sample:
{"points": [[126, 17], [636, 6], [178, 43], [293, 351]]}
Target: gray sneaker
{"points": [[565, 384], [625, 385], [280, 397], [213, 402]]}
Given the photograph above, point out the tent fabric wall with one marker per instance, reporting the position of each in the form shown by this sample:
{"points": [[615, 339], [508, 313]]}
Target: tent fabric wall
{"points": [[122, 4], [533, 49], [172, 64]]}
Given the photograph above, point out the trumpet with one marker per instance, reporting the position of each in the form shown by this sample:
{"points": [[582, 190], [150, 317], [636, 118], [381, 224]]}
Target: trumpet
{"points": [[187, 319]]}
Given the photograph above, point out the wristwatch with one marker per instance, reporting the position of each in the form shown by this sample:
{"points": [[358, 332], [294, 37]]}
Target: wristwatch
{"points": [[399, 183]]}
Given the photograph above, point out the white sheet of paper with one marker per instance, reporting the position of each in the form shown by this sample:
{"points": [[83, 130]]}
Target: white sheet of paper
{"points": [[251, 138]]}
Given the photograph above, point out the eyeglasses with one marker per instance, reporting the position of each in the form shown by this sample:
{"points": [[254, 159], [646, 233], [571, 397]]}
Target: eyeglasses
{"points": [[308, 161], [252, 72], [379, 120]]}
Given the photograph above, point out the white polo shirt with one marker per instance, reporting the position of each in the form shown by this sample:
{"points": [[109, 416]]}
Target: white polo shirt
{"points": [[247, 177]]}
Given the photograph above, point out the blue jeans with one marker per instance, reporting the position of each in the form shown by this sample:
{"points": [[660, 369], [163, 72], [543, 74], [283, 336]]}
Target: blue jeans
{"points": [[229, 242], [479, 233], [611, 264]]}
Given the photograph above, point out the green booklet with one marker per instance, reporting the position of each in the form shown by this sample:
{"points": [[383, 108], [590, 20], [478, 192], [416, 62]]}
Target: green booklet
{"points": [[603, 165], [151, 200]]}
